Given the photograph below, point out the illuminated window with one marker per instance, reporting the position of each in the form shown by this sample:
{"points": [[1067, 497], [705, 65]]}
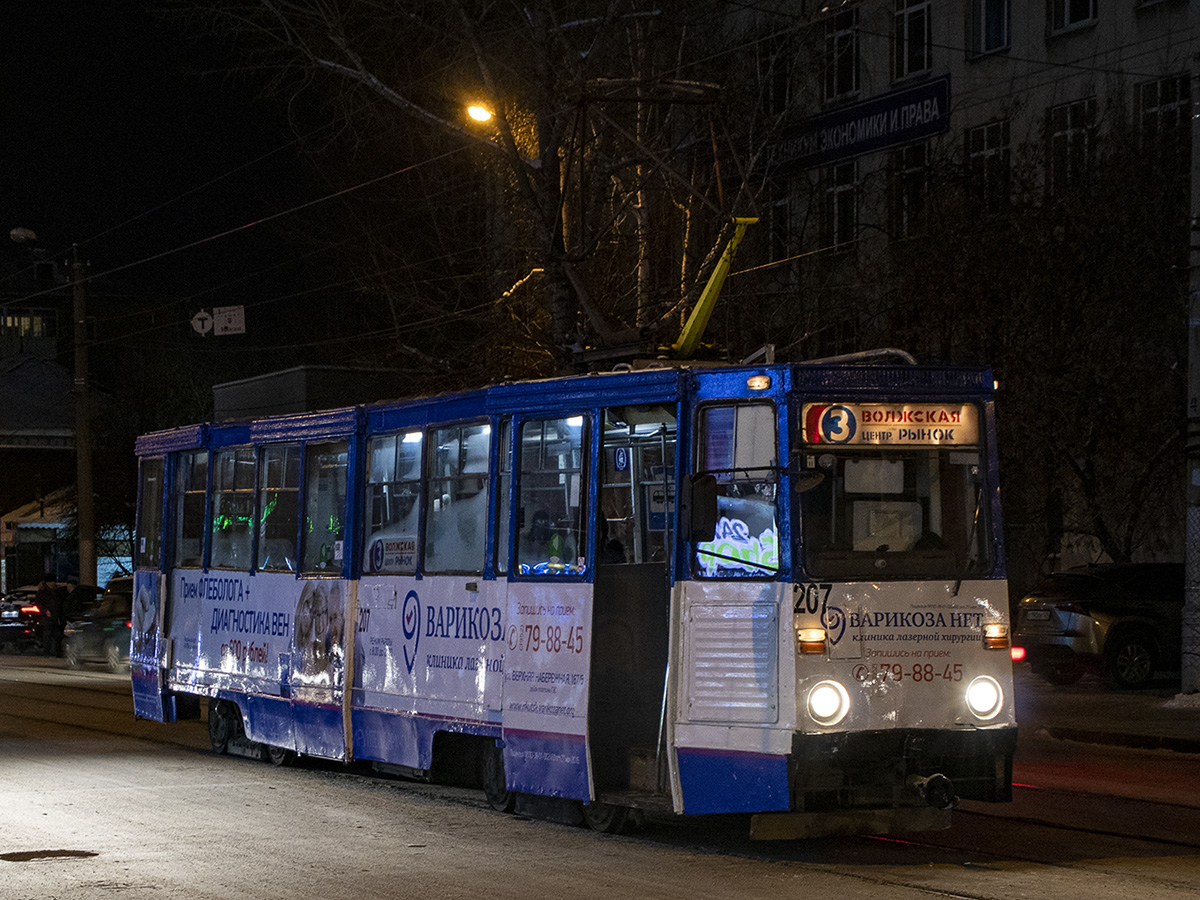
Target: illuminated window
{"points": [[191, 481], [737, 446], [392, 508], [552, 495], [278, 507], [232, 508], [324, 508], [456, 504]]}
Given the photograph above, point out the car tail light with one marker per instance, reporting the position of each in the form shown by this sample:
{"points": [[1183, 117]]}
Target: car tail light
{"points": [[1018, 654], [30, 610]]}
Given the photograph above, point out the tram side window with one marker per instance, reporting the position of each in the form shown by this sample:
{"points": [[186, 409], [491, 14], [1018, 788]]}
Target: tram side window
{"points": [[456, 514], [551, 498], [324, 507], [392, 508], [191, 480], [278, 507], [232, 508], [736, 444], [150, 510], [503, 496], [637, 485]]}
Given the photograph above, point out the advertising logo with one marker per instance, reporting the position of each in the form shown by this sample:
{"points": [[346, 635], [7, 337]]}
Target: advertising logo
{"points": [[411, 623], [834, 620], [838, 425]]}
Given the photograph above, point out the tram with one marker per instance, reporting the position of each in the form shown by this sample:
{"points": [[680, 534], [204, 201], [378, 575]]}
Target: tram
{"points": [[773, 589]]}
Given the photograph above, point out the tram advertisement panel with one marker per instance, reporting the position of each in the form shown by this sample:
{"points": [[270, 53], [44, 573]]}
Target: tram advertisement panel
{"points": [[144, 665], [268, 634], [547, 660], [923, 641], [431, 646]]}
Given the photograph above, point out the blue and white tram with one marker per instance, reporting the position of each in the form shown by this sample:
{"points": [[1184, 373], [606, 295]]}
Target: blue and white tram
{"points": [[776, 589]]}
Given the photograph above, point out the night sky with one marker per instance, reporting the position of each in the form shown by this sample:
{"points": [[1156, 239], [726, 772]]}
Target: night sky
{"points": [[112, 137]]}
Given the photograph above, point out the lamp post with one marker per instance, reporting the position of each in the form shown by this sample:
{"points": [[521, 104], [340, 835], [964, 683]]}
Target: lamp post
{"points": [[85, 517]]}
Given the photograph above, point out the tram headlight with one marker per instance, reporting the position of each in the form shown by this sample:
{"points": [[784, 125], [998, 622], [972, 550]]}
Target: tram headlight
{"points": [[828, 703], [985, 697]]}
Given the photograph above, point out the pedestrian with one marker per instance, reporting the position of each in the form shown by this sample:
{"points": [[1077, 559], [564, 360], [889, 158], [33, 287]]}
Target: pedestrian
{"points": [[49, 602]]}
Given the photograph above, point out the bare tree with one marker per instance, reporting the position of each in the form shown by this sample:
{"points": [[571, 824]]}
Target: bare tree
{"points": [[612, 129]]}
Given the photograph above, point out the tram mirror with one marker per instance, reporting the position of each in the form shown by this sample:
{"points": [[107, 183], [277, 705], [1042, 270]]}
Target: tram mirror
{"points": [[806, 480], [702, 508]]}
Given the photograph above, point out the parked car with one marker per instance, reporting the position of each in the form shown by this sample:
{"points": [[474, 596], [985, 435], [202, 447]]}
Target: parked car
{"points": [[20, 620], [1122, 620], [100, 628]]}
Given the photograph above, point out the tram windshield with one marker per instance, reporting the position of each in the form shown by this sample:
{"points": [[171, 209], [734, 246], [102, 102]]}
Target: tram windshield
{"points": [[881, 494]]}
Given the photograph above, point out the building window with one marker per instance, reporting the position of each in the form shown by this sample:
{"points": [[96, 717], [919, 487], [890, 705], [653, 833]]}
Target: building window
{"points": [[988, 163], [989, 25], [841, 55], [1165, 110], [910, 180], [1071, 128], [1070, 13], [912, 46], [841, 205]]}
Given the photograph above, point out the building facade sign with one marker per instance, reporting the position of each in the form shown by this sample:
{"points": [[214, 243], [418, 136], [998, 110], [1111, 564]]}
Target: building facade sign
{"points": [[900, 117]]}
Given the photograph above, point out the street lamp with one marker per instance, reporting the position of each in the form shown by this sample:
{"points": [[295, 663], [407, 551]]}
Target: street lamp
{"points": [[85, 517], [479, 113]]}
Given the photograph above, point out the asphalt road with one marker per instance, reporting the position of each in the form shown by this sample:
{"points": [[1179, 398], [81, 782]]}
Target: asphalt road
{"points": [[95, 804]]}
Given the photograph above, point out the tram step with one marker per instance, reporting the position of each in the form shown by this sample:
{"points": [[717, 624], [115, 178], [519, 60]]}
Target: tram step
{"points": [[644, 773]]}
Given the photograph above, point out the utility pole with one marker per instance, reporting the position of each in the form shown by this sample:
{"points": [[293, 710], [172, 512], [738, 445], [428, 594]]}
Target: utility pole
{"points": [[1191, 593], [85, 500]]}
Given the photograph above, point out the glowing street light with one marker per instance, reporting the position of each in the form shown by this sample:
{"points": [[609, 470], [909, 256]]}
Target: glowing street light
{"points": [[479, 113]]}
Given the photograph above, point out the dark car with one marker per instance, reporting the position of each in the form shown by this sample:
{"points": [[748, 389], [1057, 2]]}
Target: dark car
{"points": [[100, 628], [20, 620], [1122, 620]]}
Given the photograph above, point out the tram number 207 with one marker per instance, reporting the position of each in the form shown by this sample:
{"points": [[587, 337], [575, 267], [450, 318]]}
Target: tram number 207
{"points": [[811, 598]]}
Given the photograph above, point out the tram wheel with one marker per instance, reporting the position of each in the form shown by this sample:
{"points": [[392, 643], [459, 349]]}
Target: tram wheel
{"points": [[491, 773], [605, 817], [278, 756], [222, 726]]}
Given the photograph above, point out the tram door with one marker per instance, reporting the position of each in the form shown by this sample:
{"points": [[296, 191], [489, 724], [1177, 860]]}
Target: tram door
{"points": [[632, 599]]}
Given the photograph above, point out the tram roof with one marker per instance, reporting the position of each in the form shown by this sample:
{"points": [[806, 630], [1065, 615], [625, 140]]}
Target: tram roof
{"points": [[627, 387]]}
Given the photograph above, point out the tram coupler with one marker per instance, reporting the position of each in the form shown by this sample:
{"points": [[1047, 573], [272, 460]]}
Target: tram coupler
{"points": [[933, 790]]}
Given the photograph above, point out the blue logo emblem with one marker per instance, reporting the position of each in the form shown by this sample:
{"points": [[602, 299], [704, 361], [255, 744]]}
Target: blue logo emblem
{"points": [[834, 621], [411, 623], [838, 425]]}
